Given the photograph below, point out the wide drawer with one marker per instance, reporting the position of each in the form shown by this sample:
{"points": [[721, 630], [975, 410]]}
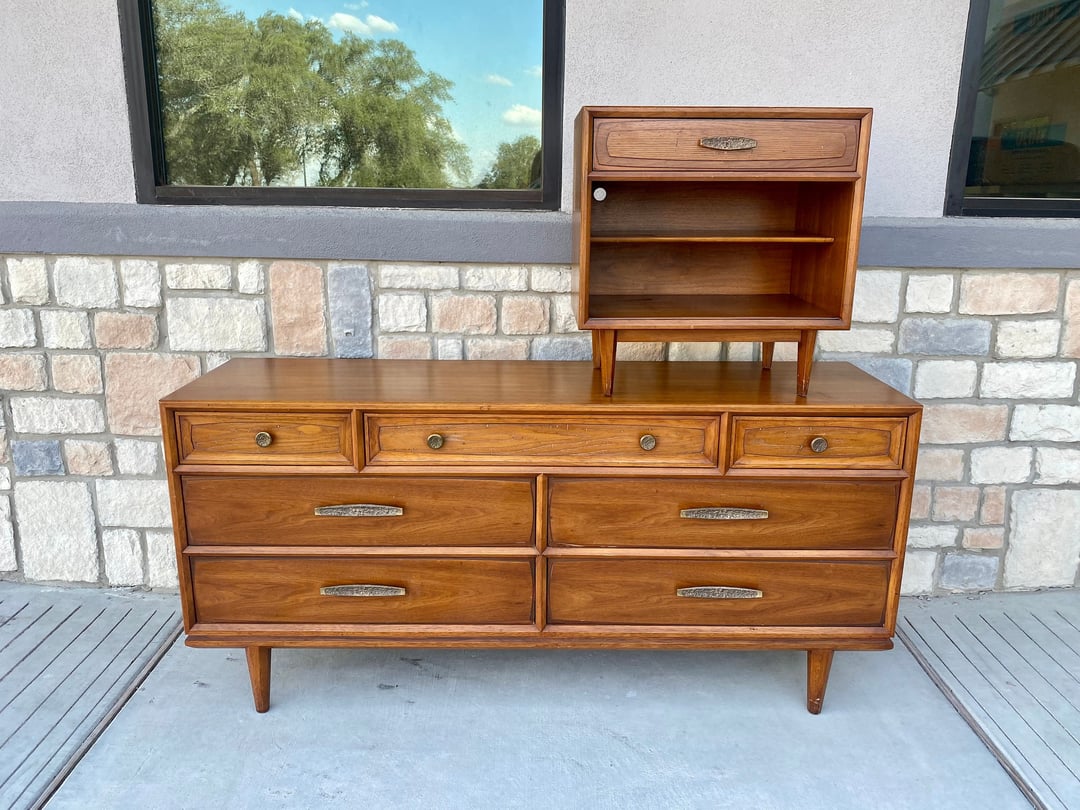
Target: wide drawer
{"points": [[717, 144], [570, 441], [745, 513], [305, 439], [435, 591], [647, 592], [358, 511], [823, 443]]}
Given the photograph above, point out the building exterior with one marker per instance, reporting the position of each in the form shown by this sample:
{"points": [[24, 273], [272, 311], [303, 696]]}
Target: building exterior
{"points": [[108, 303]]}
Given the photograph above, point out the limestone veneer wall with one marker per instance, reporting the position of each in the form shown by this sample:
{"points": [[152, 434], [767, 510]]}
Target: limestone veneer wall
{"points": [[88, 344]]}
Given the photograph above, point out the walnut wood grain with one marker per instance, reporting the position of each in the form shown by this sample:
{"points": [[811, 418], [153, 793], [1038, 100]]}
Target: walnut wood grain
{"points": [[645, 512], [435, 511], [300, 439], [497, 439], [674, 143], [441, 591], [643, 592], [852, 443]]}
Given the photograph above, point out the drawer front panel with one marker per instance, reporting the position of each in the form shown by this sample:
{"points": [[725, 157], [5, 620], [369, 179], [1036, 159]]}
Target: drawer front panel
{"points": [[645, 592], [691, 513], [737, 144], [443, 591], [574, 441], [307, 439], [433, 511], [769, 442]]}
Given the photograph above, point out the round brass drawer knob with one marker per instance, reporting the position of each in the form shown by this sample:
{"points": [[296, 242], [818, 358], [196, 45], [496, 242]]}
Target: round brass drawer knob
{"points": [[435, 441], [819, 444], [263, 439], [647, 442]]}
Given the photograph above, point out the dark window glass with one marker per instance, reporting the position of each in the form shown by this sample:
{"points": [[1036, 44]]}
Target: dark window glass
{"points": [[1018, 133], [370, 102]]}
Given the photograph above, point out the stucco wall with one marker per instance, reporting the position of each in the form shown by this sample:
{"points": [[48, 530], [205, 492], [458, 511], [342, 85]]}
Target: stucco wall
{"points": [[65, 133]]}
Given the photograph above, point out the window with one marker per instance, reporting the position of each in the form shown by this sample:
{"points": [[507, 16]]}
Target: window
{"points": [[328, 102], [1017, 144]]}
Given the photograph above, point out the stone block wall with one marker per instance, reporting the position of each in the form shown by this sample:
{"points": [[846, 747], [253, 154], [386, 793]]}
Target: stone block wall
{"points": [[88, 345]]}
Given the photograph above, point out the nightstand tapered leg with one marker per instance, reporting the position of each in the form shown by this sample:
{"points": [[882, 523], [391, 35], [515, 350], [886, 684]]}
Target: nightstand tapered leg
{"points": [[595, 348], [807, 339], [818, 663], [258, 661], [609, 341], [766, 355]]}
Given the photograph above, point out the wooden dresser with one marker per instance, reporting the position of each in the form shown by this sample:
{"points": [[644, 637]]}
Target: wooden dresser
{"points": [[512, 504]]}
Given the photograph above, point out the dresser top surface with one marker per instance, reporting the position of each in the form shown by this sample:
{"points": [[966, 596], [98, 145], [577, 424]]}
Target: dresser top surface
{"points": [[532, 385]]}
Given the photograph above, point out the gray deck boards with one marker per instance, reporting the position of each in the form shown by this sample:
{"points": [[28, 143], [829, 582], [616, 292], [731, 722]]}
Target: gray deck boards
{"points": [[66, 658], [1011, 665]]}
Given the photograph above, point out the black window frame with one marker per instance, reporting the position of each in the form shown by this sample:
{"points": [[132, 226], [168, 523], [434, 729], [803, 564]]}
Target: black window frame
{"points": [[148, 156], [956, 203]]}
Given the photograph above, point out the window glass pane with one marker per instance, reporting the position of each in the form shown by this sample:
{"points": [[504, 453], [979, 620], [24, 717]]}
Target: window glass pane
{"points": [[410, 94], [1026, 138]]}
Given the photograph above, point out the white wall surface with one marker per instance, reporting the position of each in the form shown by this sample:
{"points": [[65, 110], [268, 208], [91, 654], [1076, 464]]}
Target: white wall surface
{"points": [[63, 109], [902, 58], [63, 112]]}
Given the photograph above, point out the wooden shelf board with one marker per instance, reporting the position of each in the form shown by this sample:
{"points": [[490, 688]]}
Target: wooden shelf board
{"points": [[783, 237], [706, 312], [757, 176]]}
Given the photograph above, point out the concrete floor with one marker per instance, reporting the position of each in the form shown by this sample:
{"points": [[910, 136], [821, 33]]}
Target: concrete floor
{"points": [[543, 729]]}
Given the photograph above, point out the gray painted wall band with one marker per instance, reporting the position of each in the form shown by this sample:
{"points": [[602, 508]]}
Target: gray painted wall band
{"points": [[504, 237]]}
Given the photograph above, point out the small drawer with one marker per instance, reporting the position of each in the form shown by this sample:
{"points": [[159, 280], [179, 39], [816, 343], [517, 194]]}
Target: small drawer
{"points": [[719, 144], [383, 591], [743, 513], [830, 443], [304, 439], [717, 593], [573, 441], [358, 511]]}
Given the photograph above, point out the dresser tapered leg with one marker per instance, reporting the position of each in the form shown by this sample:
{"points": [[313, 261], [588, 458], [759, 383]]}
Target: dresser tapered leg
{"points": [[609, 341], [818, 663], [806, 359], [258, 661], [595, 348], [766, 355]]}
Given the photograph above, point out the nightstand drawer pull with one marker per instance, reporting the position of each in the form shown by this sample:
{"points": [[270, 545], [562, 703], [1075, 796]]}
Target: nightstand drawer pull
{"points": [[362, 590], [263, 439], [724, 513], [359, 510], [718, 592], [435, 441], [819, 444], [728, 143], [647, 442]]}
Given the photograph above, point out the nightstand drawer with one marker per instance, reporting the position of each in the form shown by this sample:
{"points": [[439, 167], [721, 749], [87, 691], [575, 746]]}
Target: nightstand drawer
{"points": [[718, 144], [717, 593], [358, 511], [370, 591], [550, 439], [304, 439], [695, 513], [769, 442]]}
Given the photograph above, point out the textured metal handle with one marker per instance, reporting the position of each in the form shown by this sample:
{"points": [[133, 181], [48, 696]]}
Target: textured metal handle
{"points": [[723, 513], [359, 510], [263, 439], [728, 143], [647, 442], [718, 592], [599, 194], [362, 590], [435, 441], [819, 444]]}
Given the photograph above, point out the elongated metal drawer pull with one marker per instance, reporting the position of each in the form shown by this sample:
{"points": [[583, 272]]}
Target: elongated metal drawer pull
{"points": [[723, 513], [728, 143], [362, 590], [359, 510], [718, 592]]}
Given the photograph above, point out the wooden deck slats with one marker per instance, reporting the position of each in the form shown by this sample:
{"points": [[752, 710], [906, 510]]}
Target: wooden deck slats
{"points": [[1011, 665], [66, 659]]}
